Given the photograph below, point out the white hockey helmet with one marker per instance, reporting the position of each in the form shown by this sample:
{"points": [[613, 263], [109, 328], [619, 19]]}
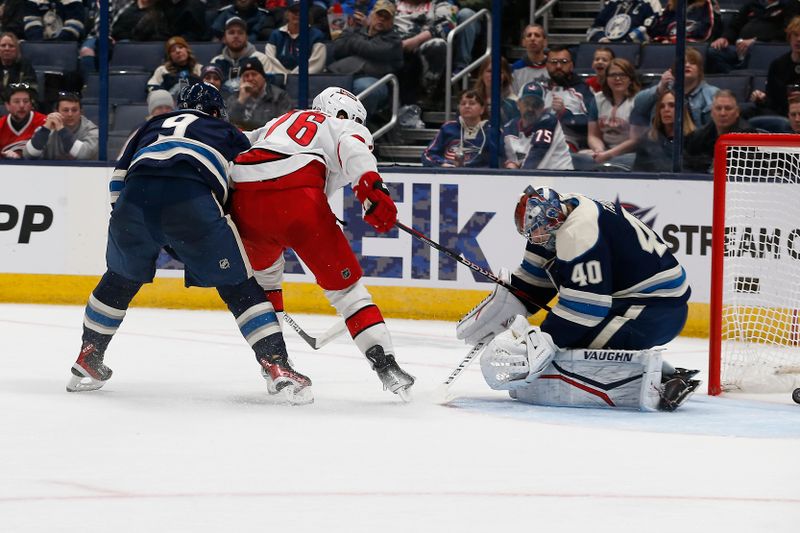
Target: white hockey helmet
{"points": [[340, 103]]}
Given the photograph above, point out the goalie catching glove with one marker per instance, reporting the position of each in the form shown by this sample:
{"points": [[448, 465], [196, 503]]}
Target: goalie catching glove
{"points": [[517, 356], [493, 315], [379, 209]]}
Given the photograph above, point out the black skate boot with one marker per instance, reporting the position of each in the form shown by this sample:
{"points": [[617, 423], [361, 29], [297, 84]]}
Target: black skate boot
{"points": [[88, 372], [391, 375], [283, 379], [677, 389]]}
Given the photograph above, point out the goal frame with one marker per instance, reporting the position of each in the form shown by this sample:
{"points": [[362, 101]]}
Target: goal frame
{"points": [[718, 239]]}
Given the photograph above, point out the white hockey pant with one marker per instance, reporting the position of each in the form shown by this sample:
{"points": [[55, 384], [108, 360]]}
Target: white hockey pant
{"points": [[367, 331]]}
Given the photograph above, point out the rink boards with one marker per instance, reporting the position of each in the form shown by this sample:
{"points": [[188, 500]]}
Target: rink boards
{"points": [[53, 222]]}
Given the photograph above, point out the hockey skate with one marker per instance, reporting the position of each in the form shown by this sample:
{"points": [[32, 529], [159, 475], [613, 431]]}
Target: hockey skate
{"points": [[88, 372], [283, 379], [391, 375], [676, 388]]}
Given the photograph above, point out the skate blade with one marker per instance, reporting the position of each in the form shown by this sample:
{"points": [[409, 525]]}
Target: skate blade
{"points": [[292, 396], [83, 384], [404, 394]]}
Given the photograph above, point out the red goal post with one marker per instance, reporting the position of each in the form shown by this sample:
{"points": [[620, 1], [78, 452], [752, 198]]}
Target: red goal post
{"points": [[754, 335]]}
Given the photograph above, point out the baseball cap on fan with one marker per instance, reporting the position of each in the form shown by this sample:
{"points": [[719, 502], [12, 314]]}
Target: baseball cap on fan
{"points": [[236, 21], [533, 90], [384, 5]]}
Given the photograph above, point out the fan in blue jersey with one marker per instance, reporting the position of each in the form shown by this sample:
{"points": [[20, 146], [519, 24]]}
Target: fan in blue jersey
{"points": [[618, 285], [623, 21], [168, 190], [535, 140]]}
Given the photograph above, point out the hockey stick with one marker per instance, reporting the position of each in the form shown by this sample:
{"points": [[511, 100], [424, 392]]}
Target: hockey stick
{"points": [[442, 392], [477, 268], [316, 342]]}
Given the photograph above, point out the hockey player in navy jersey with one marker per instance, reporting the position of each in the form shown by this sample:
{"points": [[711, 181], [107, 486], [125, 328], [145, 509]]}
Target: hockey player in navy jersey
{"points": [[168, 189], [535, 140], [618, 287]]}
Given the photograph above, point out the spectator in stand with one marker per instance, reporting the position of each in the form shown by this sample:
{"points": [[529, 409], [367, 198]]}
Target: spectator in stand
{"points": [[178, 71], [623, 21], [237, 49], [536, 139], [67, 25], [423, 25], [654, 150], [17, 127], [567, 96], [125, 24], [764, 20], [783, 81], [13, 67], [152, 25], [257, 101], [465, 142], [65, 135], [158, 103], [283, 48], [369, 53], [703, 22], [794, 113], [213, 75], [698, 155], [532, 67], [508, 99], [12, 16], [187, 19], [600, 60], [259, 22], [697, 91], [610, 139]]}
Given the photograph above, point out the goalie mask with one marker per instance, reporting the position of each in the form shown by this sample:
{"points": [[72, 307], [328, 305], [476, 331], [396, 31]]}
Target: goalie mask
{"points": [[538, 215], [339, 103]]}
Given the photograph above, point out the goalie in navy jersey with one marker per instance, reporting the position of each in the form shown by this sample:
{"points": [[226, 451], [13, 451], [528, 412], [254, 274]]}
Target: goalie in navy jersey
{"points": [[618, 287], [168, 189], [535, 140]]}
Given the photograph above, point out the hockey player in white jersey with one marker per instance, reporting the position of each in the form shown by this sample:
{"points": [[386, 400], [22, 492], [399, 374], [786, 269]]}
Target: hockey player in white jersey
{"points": [[620, 293], [281, 201]]}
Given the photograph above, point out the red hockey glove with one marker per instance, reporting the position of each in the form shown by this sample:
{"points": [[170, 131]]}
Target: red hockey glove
{"points": [[379, 209]]}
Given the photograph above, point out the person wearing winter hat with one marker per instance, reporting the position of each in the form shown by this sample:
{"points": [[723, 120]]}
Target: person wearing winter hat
{"points": [[159, 102], [213, 75], [257, 100], [178, 70]]}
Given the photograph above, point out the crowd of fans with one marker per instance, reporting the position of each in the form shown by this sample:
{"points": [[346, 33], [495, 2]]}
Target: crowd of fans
{"points": [[551, 117]]}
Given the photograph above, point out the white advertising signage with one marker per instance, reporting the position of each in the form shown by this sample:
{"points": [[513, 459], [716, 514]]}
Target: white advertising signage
{"points": [[53, 220]]}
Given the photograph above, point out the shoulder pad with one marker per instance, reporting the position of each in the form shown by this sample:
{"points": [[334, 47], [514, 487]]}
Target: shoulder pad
{"points": [[580, 232]]}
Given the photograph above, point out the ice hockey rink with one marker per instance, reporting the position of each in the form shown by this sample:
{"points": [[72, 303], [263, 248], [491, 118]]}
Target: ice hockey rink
{"points": [[185, 438]]}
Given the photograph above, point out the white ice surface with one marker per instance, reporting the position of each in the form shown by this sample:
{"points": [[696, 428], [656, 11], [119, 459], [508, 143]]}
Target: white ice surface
{"points": [[185, 438]]}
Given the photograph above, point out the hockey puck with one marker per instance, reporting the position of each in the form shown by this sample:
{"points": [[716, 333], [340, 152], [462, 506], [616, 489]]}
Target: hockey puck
{"points": [[796, 395]]}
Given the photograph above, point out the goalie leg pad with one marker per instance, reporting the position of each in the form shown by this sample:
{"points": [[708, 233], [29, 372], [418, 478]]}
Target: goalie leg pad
{"points": [[492, 315], [628, 379]]}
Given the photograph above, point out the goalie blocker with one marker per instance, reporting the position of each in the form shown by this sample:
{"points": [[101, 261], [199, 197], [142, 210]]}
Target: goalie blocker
{"points": [[524, 361]]}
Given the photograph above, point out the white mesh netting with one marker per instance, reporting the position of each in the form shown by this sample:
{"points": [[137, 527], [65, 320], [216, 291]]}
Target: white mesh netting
{"points": [[761, 283]]}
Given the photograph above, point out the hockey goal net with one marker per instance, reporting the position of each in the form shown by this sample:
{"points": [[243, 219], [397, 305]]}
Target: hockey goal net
{"points": [[755, 272]]}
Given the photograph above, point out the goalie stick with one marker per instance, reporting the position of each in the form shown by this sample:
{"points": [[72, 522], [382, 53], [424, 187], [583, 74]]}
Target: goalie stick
{"points": [[477, 268], [442, 392], [316, 342]]}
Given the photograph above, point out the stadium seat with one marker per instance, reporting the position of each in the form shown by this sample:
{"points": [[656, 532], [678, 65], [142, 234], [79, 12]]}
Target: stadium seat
{"points": [[739, 85], [656, 58], [116, 141], [51, 55], [204, 51], [132, 56], [123, 88], [128, 116], [317, 83], [91, 111], [762, 55], [585, 54]]}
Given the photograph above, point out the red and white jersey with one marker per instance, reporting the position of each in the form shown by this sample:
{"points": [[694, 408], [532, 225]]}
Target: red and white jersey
{"points": [[14, 140], [298, 138]]}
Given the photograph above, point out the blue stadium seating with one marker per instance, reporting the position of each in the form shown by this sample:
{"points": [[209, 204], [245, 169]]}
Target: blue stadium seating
{"points": [[739, 85], [761, 55], [132, 56], [656, 58], [128, 116], [51, 55], [204, 51], [123, 88], [317, 83], [91, 111]]}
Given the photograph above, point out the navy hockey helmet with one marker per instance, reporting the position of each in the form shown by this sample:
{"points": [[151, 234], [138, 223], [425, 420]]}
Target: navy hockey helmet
{"points": [[539, 213], [203, 97]]}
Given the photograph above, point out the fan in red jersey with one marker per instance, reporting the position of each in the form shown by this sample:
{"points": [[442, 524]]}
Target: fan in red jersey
{"points": [[21, 121]]}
